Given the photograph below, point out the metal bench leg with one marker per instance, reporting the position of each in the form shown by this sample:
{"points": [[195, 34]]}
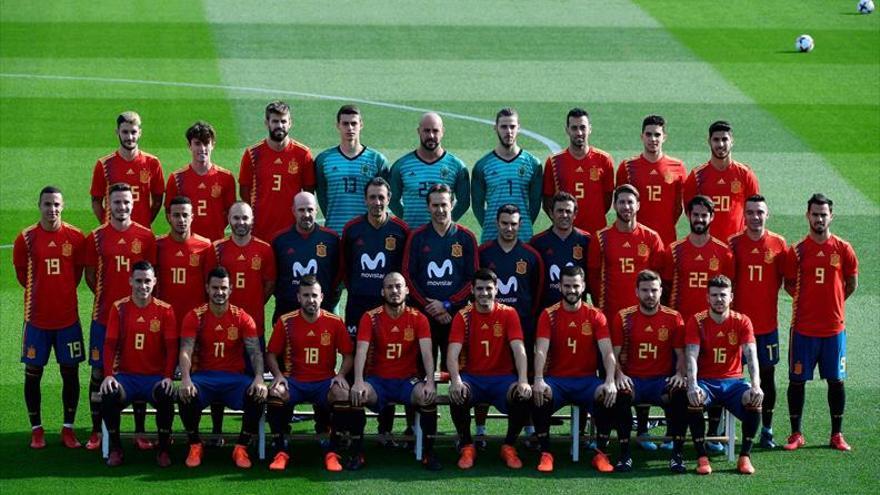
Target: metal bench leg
{"points": [[730, 424], [575, 433], [105, 441], [417, 431], [261, 440]]}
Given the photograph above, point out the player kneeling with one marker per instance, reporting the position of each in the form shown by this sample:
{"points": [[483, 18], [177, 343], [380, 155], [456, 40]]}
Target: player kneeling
{"points": [[302, 358], [140, 350], [716, 340], [568, 337], [487, 365], [220, 335], [390, 340]]}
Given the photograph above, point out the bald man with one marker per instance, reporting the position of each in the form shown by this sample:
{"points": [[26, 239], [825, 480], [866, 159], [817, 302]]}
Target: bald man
{"points": [[306, 249], [413, 174]]}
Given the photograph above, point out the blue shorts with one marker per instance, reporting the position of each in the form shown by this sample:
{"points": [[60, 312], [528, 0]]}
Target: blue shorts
{"points": [[650, 390], [489, 389], [768, 348], [97, 332], [828, 352], [313, 392], [222, 387], [573, 390], [67, 342], [138, 388], [248, 369], [397, 390], [725, 392]]}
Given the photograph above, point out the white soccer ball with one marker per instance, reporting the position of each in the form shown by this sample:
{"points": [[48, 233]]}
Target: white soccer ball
{"points": [[865, 6], [804, 43]]}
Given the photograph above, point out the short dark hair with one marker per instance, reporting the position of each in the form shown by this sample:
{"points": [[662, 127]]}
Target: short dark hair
{"points": [[509, 209], [48, 190], [277, 107], [647, 276], [720, 126], [721, 282], [562, 196], [308, 281], [438, 189], [375, 182], [217, 272], [486, 275], [142, 265], [700, 200], [625, 189], [756, 198], [506, 112], [202, 131], [576, 112], [657, 120], [179, 200], [347, 110], [820, 199], [572, 271], [128, 117], [118, 187]]}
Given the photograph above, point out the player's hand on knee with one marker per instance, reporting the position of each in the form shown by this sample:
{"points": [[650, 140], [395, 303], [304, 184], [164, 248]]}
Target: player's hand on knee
{"points": [[755, 397], [676, 381], [695, 396], [258, 389], [109, 385], [358, 393], [339, 381], [167, 386], [523, 391], [458, 392], [608, 393], [187, 390], [623, 382], [429, 393], [540, 392]]}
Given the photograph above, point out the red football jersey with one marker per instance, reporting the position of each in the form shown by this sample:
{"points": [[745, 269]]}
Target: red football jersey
{"points": [[589, 179], [819, 272], [211, 194], [250, 267], [690, 268], [615, 260], [143, 174], [219, 339], [647, 343], [574, 340], [50, 265], [394, 342], [179, 273], [273, 179], [661, 186], [307, 351], [141, 341], [485, 339], [720, 343], [113, 253], [728, 189], [759, 270]]}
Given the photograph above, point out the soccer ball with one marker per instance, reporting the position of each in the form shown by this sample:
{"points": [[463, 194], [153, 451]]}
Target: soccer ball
{"points": [[865, 6], [804, 43]]}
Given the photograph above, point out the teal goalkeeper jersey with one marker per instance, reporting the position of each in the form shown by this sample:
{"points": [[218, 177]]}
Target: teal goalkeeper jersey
{"points": [[341, 181], [497, 182], [411, 178]]}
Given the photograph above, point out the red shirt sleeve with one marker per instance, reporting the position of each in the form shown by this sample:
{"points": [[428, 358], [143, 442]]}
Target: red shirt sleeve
{"points": [[423, 329], [752, 186], [150, 252], [617, 330], [91, 251], [608, 176], [171, 190], [169, 326], [691, 332], [276, 342], [789, 269], [19, 260], [543, 329], [269, 270], [343, 342], [456, 333], [746, 331], [189, 326], [245, 170], [308, 171], [365, 328], [850, 262], [667, 269], [111, 339], [601, 327], [157, 177], [657, 259], [622, 176], [99, 182], [678, 333], [690, 188], [549, 184], [249, 327], [229, 193], [513, 326], [727, 265]]}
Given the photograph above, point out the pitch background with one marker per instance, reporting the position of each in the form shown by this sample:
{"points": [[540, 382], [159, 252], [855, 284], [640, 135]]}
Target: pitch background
{"points": [[804, 122]]}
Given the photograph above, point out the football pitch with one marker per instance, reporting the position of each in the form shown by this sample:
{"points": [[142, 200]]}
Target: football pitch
{"points": [[804, 122]]}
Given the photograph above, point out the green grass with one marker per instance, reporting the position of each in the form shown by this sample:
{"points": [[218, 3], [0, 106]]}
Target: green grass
{"points": [[803, 121]]}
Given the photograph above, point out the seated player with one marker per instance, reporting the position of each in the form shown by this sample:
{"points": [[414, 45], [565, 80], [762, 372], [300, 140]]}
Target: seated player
{"points": [[140, 350], [302, 358], [716, 340], [487, 364], [390, 341], [649, 344], [214, 340], [571, 338]]}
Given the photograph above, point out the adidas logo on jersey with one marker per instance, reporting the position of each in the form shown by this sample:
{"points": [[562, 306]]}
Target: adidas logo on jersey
{"points": [[52, 244], [720, 334], [627, 244], [310, 334], [179, 254], [141, 319], [485, 326], [394, 329], [277, 161], [721, 181], [218, 328], [580, 169], [756, 251], [821, 254], [240, 257], [202, 185], [130, 172], [121, 241], [699, 257], [571, 324], [649, 329], [653, 172]]}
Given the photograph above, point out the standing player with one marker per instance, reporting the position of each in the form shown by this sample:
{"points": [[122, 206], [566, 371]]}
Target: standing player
{"points": [[487, 364], [111, 250], [48, 258], [439, 262], [415, 173], [305, 249], [215, 339], [658, 177], [141, 354], [648, 341], [210, 187], [305, 342], [140, 170], [391, 342], [716, 340], [273, 171], [343, 171], [561, 245], [506, 175], [727, 182], [572, 338], [582, 170], [821, 272], [759, 256]]}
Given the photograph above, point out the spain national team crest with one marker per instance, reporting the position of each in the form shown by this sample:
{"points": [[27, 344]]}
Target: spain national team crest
{"points": [[497, 330], [798, 368], [66, 249], [390, 243], [663, 334], [321, 250], [256, 263], [155, 325], [736, 187], [409, 334], [145, 176], [326, 339], [232, 333], [194, 259], [594, 174], [714, 264], [137, 246], [216, 191], [457, 250], [668, 176], [835, 260], [769, 256], [522, 267], [586, 328], [96, 354], [732, 338], [292, 167], [643, 250], [577, 252], [31, 352]]}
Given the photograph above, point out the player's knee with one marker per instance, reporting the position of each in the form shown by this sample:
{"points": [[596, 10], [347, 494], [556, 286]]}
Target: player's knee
{"points": [[33, 372], [97, 375], [68, 370], [797, 384], [337, 395]]}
